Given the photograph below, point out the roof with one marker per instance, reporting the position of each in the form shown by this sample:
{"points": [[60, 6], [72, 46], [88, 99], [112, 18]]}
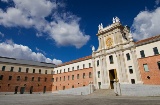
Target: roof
{"points": [[26, 62], [74, 61], [148, 40]]}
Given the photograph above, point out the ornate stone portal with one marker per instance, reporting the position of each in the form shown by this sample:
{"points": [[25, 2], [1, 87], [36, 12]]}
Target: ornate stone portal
{"points": [[114, 56]]}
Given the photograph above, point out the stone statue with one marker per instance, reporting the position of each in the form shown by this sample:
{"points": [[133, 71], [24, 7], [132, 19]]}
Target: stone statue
{"points": [[113, 20], [101, 26], [93, 48], [117, 20]]}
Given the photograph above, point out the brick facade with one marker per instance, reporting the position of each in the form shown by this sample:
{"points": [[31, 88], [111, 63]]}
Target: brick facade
{"points": [[153, 75]]}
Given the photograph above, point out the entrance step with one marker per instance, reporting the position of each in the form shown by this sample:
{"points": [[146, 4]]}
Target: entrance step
{"points": [[103, 92]]}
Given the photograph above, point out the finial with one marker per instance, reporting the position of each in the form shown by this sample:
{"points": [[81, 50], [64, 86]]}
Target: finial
{"points": [[93, 49], [113, 20], [117, 20]]}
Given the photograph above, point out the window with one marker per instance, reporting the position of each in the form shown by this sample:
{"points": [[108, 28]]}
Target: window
{"points": [[89, 64], [12, 69], [68, 69], [39, 79], [145, 67], [128, 56], [72, 68], [1, 77], [39, 71], [97, 63], [155, 50], [45, 71], [133, 81], [98, 74], [57, 71], [27, 69], [19, 69], [111, 59], [60, 78], [56, 79], [68, 77], [63, 87], [158, 64], [60, 71], [64, 70], [64, 78], [45, 79], [18, 78], [52, 79], [10, 78], [142, 53], [77, 67], [72, 86], [33, 70], [83, 75], [32, 78], [77, 76], [25, 79], [72, 77], [90, 75], [52, 72], [130, 70], [3, 68], [83, 66]]}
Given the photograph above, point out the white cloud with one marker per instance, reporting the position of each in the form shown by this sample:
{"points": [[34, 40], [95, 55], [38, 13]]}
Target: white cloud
{"points": [[146, 24], [63, 29], [157, 2], [5, 1], [1, 34], [10, 49]]}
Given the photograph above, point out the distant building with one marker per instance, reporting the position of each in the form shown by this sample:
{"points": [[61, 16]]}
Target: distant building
{"points": [[118, 59]]}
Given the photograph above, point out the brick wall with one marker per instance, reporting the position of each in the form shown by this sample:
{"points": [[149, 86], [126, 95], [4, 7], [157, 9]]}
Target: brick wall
{"points": [[60, 84], [153, 73]]}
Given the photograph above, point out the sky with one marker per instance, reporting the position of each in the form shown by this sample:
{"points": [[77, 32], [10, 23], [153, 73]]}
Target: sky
{"points": [[58, 31]]}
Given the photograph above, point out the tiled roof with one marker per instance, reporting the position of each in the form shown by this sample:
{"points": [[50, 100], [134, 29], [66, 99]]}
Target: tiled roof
{"points": [[148, 40], [26, 62], [74, 61]]}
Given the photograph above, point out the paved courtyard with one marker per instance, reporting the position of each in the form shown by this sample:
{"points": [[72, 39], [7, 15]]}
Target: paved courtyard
{"points": [[50, 99]]}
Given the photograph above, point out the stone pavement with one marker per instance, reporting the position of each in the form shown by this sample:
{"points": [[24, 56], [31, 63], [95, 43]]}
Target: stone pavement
{"points": [[52, 99]]}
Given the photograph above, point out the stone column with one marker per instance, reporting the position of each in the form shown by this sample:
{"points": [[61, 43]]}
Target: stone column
{"points": [[94, 72]]}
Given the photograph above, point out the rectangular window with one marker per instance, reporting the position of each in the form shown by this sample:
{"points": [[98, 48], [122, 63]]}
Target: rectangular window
{"points": [[32, 78], [60, 78], [45, 79], [133, 81], [83, 75], [72, 77], [10, 78], [56, 79], [130, 70], [97, 63], [77, 76], [68, 69], [64, 78], [77, 67], [19, 69], [98, 74], [145, 67], [52, 79], [128, 56], [142, 53], [72, 68], [27, 69], [39, 71], [18, 78], [1, 77], [90, 75], [33, 70], [64, 70], [57, 71], [25, 79], [3, 68], [60, 71], [39, 79], [111, 59], [83, 66], [12, 69], [158, 63], [45, 71], [155, 50], [89, 64]]}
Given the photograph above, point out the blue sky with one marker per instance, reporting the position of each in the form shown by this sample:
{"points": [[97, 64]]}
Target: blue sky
{"points": [[57, 31]]}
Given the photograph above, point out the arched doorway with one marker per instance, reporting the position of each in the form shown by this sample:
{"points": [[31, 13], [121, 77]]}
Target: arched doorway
{"points": [[31, 89], [16, 90], [112, 76]]}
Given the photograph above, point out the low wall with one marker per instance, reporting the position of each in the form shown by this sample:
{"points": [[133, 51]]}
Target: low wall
{"points": [[78, 91], [137, 90]]}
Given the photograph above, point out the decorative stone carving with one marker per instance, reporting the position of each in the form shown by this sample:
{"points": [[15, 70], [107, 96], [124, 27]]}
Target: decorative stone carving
{"points": [[100, 26], [117, 20], [113, 20], [93, 49]]}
